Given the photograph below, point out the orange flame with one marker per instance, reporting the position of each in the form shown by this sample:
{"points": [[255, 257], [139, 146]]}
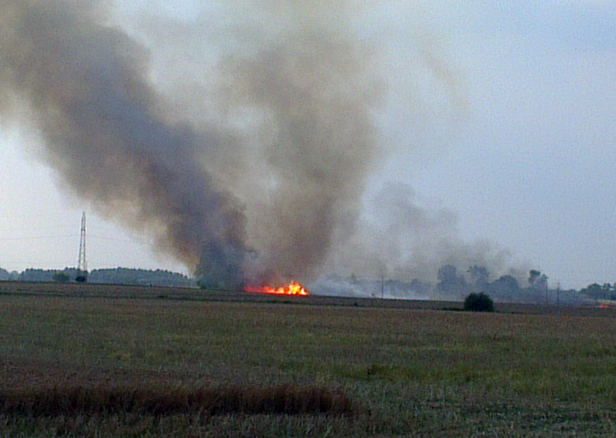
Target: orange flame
{"points": [[294, 288]]}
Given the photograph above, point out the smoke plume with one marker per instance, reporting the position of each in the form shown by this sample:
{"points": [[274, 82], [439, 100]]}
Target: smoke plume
{"points": [[243, 139], [116, 142], [86, 85], [401, 239]]}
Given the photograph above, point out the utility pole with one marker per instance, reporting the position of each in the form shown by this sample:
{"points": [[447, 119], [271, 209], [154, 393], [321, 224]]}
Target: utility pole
{"points": [[82, 264]]}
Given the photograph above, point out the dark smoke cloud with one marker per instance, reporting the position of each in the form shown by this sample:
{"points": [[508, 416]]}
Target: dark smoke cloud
{"points": [[86, 85], [243, 140], [321, 150], [299, 91], [113, 141]]}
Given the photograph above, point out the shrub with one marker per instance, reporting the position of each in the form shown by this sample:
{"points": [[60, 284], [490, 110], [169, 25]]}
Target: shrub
{"points": [[479, 302]]}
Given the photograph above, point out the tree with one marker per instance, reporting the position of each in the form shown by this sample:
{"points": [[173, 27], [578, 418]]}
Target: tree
{"points": [[480, 277], [538, 286], [479, 302], [595, 291], [532, 276], [537, 280], [449, 283], [506, 288], [607, 291]]}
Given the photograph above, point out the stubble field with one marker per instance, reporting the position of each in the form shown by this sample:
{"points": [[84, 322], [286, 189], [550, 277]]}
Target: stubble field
{"points": [[95, 361]]}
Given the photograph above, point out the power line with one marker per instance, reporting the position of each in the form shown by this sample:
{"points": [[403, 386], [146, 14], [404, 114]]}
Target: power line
{"points": [[64, 236], [115, 239]]}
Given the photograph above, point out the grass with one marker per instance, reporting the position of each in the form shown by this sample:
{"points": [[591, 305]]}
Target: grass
{"points": [[74, 366], [159, 401]]}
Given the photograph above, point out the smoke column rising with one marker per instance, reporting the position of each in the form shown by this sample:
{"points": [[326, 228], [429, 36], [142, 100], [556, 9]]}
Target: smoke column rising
{"points": [[247, 154], [401, 239], [315, 95], [115, 142], [86, 88]]}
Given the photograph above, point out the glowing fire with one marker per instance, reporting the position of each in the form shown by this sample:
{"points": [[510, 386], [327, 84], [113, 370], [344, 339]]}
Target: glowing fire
{"points": [[294, 288]]}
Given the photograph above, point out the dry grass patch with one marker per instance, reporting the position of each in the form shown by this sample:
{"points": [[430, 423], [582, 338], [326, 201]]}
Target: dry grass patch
{"points": [[287, 400]]}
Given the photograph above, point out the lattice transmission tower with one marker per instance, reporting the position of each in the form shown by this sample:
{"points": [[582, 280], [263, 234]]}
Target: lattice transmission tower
{"points": [[82, 264]]}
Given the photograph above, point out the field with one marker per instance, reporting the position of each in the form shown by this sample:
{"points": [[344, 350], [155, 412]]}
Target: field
{"points": [[96, 361]]}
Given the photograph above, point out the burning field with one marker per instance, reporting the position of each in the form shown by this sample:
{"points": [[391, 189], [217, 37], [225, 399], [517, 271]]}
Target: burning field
{"points": [[293, 288]]}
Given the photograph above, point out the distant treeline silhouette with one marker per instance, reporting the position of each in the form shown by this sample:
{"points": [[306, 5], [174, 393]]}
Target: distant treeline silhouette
{"points": [[141, 277]]}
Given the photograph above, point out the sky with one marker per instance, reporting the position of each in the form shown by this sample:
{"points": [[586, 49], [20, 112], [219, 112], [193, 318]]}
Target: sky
{"points": [[513, 127]]}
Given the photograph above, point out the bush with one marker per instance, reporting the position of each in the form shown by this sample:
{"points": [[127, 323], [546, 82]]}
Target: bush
{"points": [[479, 302]]}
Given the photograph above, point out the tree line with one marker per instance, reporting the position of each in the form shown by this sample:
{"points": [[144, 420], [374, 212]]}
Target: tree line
{"points": [[454, 284], [127, 276]]}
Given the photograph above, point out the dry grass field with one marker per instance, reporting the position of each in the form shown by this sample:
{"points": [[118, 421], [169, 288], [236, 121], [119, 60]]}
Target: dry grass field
{"points": [[99, 361]]}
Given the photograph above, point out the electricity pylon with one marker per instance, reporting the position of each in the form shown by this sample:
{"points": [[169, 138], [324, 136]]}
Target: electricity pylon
{"points": [[82, 264]]}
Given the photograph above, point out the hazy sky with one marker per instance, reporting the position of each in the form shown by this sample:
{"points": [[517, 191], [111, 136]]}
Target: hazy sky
{"points": [[517, 138]]}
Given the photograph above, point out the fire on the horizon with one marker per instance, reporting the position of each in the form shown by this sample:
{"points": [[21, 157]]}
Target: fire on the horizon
{"points": [[293, 288]]}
